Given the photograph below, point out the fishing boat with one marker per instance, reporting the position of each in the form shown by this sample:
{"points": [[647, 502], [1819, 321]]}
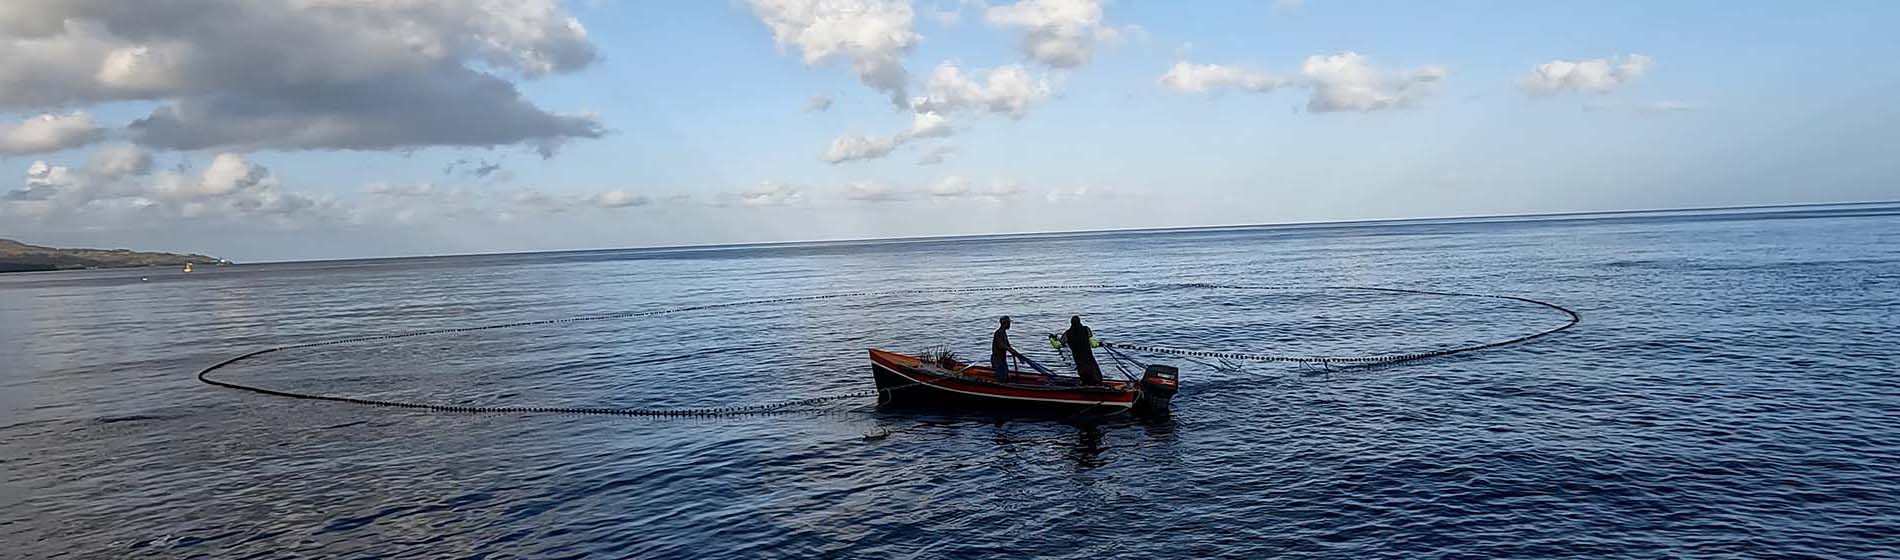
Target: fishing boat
{"points": [[905, 380]]}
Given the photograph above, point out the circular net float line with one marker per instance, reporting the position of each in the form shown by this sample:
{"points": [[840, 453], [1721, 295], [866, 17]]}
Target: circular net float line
{"points": [[1572, 318], [785, 406]]}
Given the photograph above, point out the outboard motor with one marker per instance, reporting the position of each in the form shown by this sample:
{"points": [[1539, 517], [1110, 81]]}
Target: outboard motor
{"points": [[1159, 383]]}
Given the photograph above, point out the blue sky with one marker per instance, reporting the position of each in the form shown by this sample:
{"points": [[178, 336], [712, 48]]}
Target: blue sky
{"points": [[688, 122]]}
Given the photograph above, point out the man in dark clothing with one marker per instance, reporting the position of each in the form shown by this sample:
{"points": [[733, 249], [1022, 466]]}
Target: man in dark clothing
{"points": [[1000, 350], [1080, 341]]}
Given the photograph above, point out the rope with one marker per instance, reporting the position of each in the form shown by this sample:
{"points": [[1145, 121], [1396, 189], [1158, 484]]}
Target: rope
{"points": [[204, 375], [1573, 319], [767, 408]]}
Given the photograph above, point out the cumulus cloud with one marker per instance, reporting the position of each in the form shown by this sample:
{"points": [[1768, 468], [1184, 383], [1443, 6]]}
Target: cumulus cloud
{"points": [[958, 187], [946, 189], [950, 187], [120, 189], [1346, 82], [766, 194], [1599, 75], [113, 162], [1186, 77], [620, 198], [417, 203], [874, 36], [301, 74], [870, 191], [817, 104], [43, 182], [936, 154], [49, 132], [854, 148], [859, 147], [929, 125], [1007, 90], [115, 191], [1056, 33], [1338, 82], [228, 173]]}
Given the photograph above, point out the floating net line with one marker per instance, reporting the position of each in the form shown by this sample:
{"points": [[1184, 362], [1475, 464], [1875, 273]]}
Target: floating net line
{"points": [[205, 375]]}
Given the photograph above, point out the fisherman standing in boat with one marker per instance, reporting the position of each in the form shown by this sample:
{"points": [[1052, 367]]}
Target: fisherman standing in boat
{"points": [[1081, 341], [1000, 351]]}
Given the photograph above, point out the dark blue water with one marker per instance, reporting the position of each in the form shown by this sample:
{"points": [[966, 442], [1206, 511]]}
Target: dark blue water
{"points": [[1732, 391]]}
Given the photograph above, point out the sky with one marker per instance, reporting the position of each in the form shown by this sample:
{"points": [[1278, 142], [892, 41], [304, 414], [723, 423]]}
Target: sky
{"points": [[262, 130]]}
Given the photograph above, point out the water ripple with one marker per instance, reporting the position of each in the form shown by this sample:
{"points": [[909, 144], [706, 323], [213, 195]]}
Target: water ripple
{"points": [[1730, 394]]}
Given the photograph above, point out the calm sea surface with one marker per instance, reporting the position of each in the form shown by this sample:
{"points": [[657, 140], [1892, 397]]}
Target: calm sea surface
{"points": [[1733, 391]]}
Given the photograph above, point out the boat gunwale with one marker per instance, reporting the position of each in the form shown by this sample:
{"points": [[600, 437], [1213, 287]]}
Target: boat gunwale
{"points": [[1121, 394]]}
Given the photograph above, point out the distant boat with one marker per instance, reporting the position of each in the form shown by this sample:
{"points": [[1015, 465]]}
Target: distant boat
{"points": [[187, 267]]}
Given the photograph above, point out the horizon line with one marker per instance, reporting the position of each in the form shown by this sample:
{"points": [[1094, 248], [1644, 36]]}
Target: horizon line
{"points": [[1084, 232]]}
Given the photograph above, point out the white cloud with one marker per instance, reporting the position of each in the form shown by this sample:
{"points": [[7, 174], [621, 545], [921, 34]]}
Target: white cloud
{"points": [[957, 187], [532, 201], [1087, 193], [766, 194], [402, 190], [620, 198], [1211, 78], [1645, 107], [936, 154], [228, 173], [1599, 75], [1345, 82], [873, 35], [119, 190], [414, 203], [929, 125], [1056, 33], [113, 162], [859, 147], [854, 148], [950, 187], [49, 132], [817, 104], [535, 198], [300, 74], [113, 194], [1006, 90], [420, 203], [947, 189], [869, 191], [1339, 82]]}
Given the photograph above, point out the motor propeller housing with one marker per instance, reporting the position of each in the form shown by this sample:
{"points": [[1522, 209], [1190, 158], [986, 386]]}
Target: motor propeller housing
{"points": [[1159, 383]]}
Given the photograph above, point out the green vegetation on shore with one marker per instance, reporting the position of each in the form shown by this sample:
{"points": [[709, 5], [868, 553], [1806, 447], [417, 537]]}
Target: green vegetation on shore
{"points": [[20, 257]]}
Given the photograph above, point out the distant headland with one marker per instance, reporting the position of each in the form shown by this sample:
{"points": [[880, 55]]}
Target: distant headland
{"points": [[20, 257]]}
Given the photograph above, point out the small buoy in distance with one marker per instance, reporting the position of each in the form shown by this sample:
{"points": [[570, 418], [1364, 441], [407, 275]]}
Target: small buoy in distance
{"points": [[877, 434], [144, 279]]}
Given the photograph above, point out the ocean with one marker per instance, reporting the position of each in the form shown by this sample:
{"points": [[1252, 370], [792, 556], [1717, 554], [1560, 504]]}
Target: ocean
{"points": [[1733, 390]]}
